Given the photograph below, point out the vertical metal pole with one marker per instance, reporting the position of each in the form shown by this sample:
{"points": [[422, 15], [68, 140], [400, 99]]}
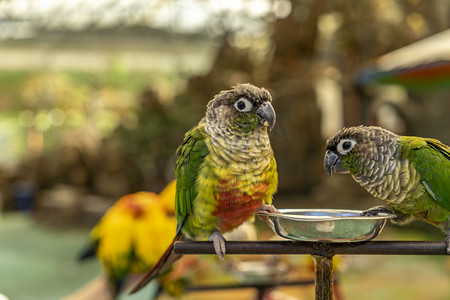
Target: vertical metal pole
{"points": [[262, 291], [323, 269]]}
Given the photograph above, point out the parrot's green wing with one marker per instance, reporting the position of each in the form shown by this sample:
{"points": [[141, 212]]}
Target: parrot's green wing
{"points": [[431, 159], [191, 155]]}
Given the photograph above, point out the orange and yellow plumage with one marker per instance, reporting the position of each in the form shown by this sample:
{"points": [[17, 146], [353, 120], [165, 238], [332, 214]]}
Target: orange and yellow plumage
{"points": [[134, 233]]}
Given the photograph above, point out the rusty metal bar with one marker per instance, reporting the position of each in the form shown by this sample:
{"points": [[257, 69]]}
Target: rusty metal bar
{"points": [[317, 248], [262, 288], [250, 285]]}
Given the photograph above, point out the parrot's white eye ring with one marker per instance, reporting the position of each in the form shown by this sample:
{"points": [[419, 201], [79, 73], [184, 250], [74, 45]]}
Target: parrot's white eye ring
{"points": [[243, 105], [345, 145]]}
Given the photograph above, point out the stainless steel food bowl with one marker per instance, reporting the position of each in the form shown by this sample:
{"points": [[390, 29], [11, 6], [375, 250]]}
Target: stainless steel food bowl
{"points": [[326, 225]]}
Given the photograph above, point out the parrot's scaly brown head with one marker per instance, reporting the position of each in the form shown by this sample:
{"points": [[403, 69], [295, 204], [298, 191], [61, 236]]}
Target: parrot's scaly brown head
{"points": [[360, 150], [244, 108]]}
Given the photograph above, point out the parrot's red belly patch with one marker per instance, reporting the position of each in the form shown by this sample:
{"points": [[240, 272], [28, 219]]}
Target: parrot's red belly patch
{"points": [[235, 207]]}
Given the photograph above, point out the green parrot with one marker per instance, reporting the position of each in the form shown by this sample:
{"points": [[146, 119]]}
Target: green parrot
{"points": [[411, 174], [226, 170]]}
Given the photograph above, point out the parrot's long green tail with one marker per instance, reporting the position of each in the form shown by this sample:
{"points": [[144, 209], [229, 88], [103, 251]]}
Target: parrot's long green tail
{"points": [[163, 264]]}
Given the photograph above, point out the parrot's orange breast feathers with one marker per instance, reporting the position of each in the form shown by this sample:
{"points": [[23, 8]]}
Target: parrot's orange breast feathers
{"points": [[234, 207]]}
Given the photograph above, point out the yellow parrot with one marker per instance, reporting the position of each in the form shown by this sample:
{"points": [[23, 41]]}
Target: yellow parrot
{"points": [[133, 234]]}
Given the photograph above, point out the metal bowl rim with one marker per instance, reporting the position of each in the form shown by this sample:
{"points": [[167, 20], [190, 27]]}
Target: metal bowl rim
{"points": [[284, 214]]}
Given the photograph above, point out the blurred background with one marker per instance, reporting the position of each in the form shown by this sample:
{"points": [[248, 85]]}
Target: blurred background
{"points": [[95, 97]]}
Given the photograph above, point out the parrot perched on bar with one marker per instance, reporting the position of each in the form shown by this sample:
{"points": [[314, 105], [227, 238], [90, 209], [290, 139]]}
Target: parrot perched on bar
{"points": [[411, 174], [225, 171], [133, 233]]}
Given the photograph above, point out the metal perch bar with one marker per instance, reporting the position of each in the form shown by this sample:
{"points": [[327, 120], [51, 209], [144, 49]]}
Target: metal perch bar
{"points": [[322, 253], [317, 248]]}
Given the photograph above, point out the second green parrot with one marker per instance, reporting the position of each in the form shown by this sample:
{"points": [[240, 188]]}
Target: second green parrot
{"points": [[225, 170], [411, 174]]}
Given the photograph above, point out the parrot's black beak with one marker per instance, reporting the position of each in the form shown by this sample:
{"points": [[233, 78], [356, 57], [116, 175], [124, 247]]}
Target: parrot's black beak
{"points": [[266, 115], [333, 163]]}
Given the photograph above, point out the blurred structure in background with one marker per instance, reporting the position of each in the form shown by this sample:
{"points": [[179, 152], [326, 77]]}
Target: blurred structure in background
{"points": [[95, 96], [408, 88]]}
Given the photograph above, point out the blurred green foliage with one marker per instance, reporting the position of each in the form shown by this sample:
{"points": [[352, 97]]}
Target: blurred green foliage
{"points": [[38, 109]]}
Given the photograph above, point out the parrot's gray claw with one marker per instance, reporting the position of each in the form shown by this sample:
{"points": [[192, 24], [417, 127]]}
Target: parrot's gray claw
{"points": [[374, 211], [268, 208], [219, 244], [447, 242]]}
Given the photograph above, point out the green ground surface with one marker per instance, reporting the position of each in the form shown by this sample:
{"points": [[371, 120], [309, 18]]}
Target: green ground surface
{"points": [[37, 262]]}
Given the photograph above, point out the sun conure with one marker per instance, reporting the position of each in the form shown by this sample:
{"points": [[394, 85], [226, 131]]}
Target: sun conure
{"points": [[412, 174], [225, 170], [133, 234]]}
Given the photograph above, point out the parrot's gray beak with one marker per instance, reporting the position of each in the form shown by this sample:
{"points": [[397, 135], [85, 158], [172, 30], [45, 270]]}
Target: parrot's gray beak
{"points": [[266, 115], [333, 163]]}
